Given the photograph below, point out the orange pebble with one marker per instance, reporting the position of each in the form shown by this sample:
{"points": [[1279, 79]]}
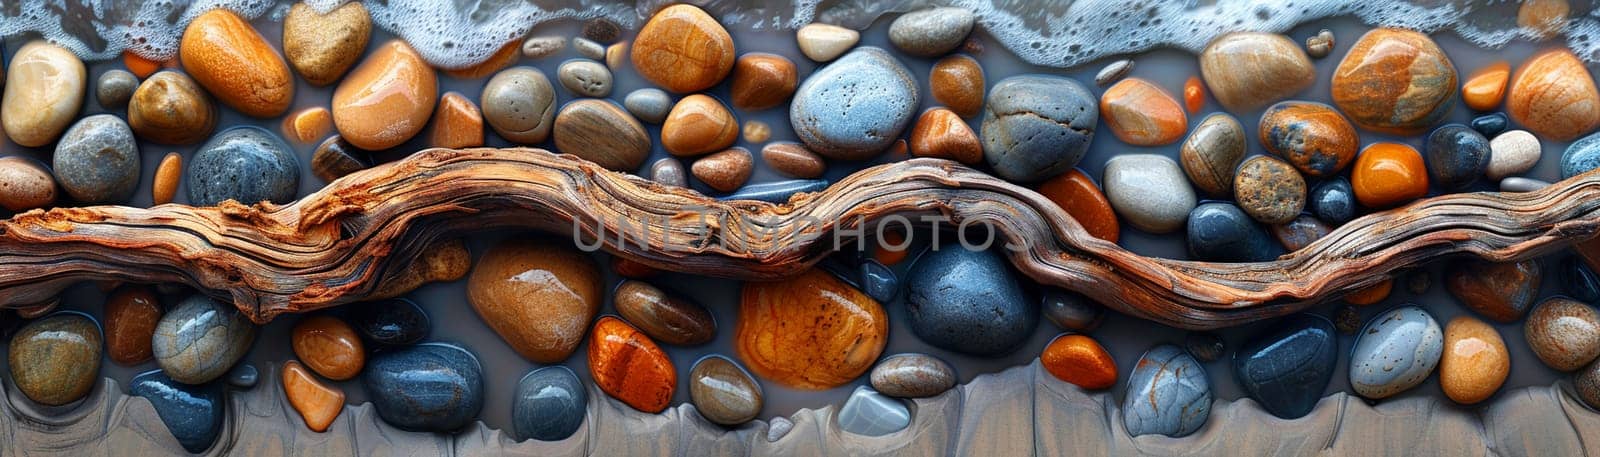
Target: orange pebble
{"points": [[1486, 87], [1372, 294], [1142, 114], [168, 174], [1080, 360], [1194, 95], [319, 404], [1076, 194], [308, 125], [628, 366], [329, 346], [809, 332], [501, 59], [891, 249], [1389, 174], [139, 66]]}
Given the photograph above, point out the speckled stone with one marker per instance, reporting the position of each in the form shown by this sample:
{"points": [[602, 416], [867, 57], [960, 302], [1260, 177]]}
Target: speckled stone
{"points": [[649, 104], [1475, 362], [1581, 156], [1287, 368], [1168, 394], [957, 82], [1212, 152], [321, 47], [1395, 351], [1515, 152], [1149, 191], [519, 104], [870, 413], [1071, 310], [391, 322], [1314, 137], [585, 78], [723, 392], [549, 405], [25, 184], [1037, 126], [912, 375], [1563, 333], [968, 302], [1587, 385], [724, 171], [812, 331], [198, 340], [1269, 190], [1500, 291], [430, 387], [832, 115], [114, 88], [1221, 232], [1396, 81], [56, 360], [247, 164], [1347, 319], [1457, 156], [931, 32], [170, 108], [192, 413], [97, 160], [1333, 201]]}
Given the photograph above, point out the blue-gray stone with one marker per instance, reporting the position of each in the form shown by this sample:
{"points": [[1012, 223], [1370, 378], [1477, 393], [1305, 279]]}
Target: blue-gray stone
{"points": [[1521, 184], [931, 32], [391, 322], [192, 413], [1581, 156], [776, 192], [1457, 156], [1221, 232], [549, 405], [968, 302], [430, 387], [200, 339], [243, 376], [855, 107], [1037, 126], [1333, 201], [1287, 368], [1490, 124], [1168, 394], [1071, 310], [247, 164], [878, 281], [870, 413], [649, 104], [1395, 351], [97, 160]]}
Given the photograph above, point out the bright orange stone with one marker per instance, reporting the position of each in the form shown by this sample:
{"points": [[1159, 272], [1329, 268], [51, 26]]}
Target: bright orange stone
{"points": [[1080, 360], [308, 125], [1194, 95], [1076, 194], [1388, 175], [890, 249], [318, 403], [139, 66], [1372, 294], [1486, 87], [629, 367], [1142, 114], [457, 123], [811, 331], [329, 346]]}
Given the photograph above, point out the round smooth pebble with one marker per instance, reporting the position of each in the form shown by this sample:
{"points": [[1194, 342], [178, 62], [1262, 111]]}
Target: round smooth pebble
{"points": [[1113, 72], [431, 387], [1082, 199], [626, 365], [669, 171], [585, 78], [1269, 190], [1300, 232], [328, 346], [724, 171], [1475, 362], [1071, 310], [317, 402], [762, 80], [243, 376], [1554, 95], [540, 47], [855, 107], [825, 42], [549, 405], [44, 88], [812, 331], [131, 314], [931, 32], [25, 184], [1141, 113], [246, 164], [912, 375], [588, 48], [698, 125], [1167, 394], [793, 160], [192, 413], [391, 322], [170, 108], [957, 82], [682, 49], [1394, 352], [56, 360], [1485, 88], [1456, 156], [312, 124], [1580, 157], [723, 392], [1149, 191], [968, 302], [1079, 360], [228, 57], [545, 320], [1312, 136], [1037, 126], [321, 47], [1388, 175], [1395, 81], [97, 160], [601, 132], [941, 133], [869, 413], [1248, 70], [1221, 232], [666, 318], [1490, 124], [1500, 291], [1286, 369], [1563, 333], [1214, 149], [114, 88], [198, 340], [649, 105], [1333, 201], [519, 104], [1204, 346], [387, 99], [1514, 152]]}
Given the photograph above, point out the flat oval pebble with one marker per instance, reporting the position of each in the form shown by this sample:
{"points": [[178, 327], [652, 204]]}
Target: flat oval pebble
{"points": [[1269, 190], [855, 107], [1475, 362], [1457, 156], [457, 123], [1312, 136], [308, 125], [1141, 113], [1554, 95], [588, 48], [793, 160], [698, 125], [170, 108], [1520, 184], [1490, 124], [811, 331], [228, 57], [1149, 191], [912, 375], [724, 171], [1563, 333], [97, 160], [1221, 232], [1500, 291], [44, 88], [317, 402], [723, 392], [869, 413], [519, 104], [328, 346], [1037, 126], [387, 99], [1071, 310], [1079, 360], [1082, 199], [629, 367], [825, 42], [200, 338], [968, 302], [539, 296], [549, 405], [778, 191], [1580, 157], [1388, 174], [1113, 72], [601, 132], [392, 322], [957, 82], [1486, 87], [585, 78], [321, 46], [114, 88], [1395, 81], [649, 105], [192, 413], [942, 134], [1248, 70], [246, 164], [335, 158], [931, 32], [1287, 368], [168, 174], [1333, 201], [683, 49], [1168, 394], [1394, 352], [666, 318], [762, 80], [56, 360], [131, 314], [540, 47], [25, 184], [429, 387], [1212, 152]]}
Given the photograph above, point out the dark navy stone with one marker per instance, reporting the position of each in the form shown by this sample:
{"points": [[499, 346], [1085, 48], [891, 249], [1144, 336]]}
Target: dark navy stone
{"points": [[1287, 368], [193, 413], [1037, 126], [1333, 201], [1581, 156], [968, 302], [1221, 232], [1205, 346], [1490, 124], [247, 164], [1581, 281], [878, 281], [429, 387], [776, 192], [1456, 155], [549, 405], [243, 376], [392, 322]]}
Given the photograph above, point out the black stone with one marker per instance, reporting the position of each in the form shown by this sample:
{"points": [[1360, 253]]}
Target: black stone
{"points": [[247, 164], [429, 387], [1490, 124], [391, 322], [193, 413], [1287, 368], [1221, 232], [549, 405], [968, 302], [1581, 281], [1456, 155], [878, 281], [1205, 346], [1333, 201]]}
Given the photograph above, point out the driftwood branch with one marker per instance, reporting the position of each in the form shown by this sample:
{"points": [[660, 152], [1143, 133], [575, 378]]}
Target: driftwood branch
{"points": [[362, 236]]}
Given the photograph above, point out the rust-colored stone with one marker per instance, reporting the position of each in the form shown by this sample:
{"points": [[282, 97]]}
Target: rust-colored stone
{"points": [[318, 403], [1080, 360], [811, 331], [1078, 195], [131, 314], [626, 365]]}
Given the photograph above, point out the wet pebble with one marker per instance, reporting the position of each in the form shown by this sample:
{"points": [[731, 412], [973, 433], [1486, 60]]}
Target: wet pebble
{"points": [[666, 318], [585, 78], [1214, 149], [430, 387], [228, 57], [1082, 199], [869, 413], [1579, 280], [698, 125], [957, 82], [131, 314], [25, 184], [328, 346], [777, 191], [1500, 291], [1312, 136], [1395, 351], [169, 108], [1333, 201], [391, 322], [1389, 174], [669, 171], [335, 158], [307, 125], [1580, 157], [114, 88], [243, 376], [1149, 191], [942, 134], [878, 281], [1554, 95], [97, 160], [1037, 126], [589, 49], [762, 80], [1515, 152], [317, 402], [519, 104], [1563, 333], [1141, 113], [321, 47], [1395, 81], [1204, 346], [549, 405], [1320, 45], [1168, 394], [200, 338], [246, 164], [968, 302], [1456, 155], [1287, 368], [543, 320], [540, 47], [1113, 72], [1079, 360], [56, 360], [192, 413], [825, 42], [1071, 310], [912, 375], [812, 331], [649, 104], [793, 160], [832, 114], [1486, 87], [457, 123], [931, 32], [724, 171], [1475, 362], [1490, 124], [682, 49], [1194, 95], [387, 99], [44, 87], [601, 132], [629, 367], [1221, 232], [1269, 190], [723, 392], [1248, 70]]}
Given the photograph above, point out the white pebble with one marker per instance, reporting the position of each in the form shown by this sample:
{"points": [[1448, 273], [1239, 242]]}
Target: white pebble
{"points": [[589, 48], [823, 42], [1512, 153]]}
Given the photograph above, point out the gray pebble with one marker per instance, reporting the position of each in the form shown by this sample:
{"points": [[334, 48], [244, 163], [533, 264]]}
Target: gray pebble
{"points": [[243, 376], [1395, 351], [669, 171], [1037, 126], [201, 338], [931, 32], [1113, 72], [1071, 310], [777, 428], [540, 47], [855, 107], [589, 48], [1521, 184], [586, 78], [246, 164], [114, 88], [549, 405], [1149, 191], [912, 375], [519, 104], [97, 160], [870, 413], [649, 105], [1168, 394]]}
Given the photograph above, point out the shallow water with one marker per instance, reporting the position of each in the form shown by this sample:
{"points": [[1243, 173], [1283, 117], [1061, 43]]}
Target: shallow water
{"points": [[1124, 337]]}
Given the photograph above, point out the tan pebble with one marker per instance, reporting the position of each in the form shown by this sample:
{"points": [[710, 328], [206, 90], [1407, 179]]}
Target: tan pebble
{"points": [[44, 89], [457, 123], [825, 42], [601, 132], [793, 160], [321, 47], [617, 55], [957, 83], [1554, 95], [683, 49], [725, 171], [387, 99], [1248, 70], [540, 47], [308, 125], [1475, 362], [170, 108], [757, 131], [941, 133], [25, 184], [762, 80], [168, 174], [318, 403], [697, 125], [538, 296]]}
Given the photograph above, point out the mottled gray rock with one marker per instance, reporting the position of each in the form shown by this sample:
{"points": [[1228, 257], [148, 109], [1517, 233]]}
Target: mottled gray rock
{"points": [[649, 105], [1149, 191], [912, 375], [200, 339], [1037, 126], [669, 171], [97, 160], [968, 302], [1168, 394], [114, 88], [247, 164], [870, 413], [855, 107], [586, 78], [931, 32], [1521, 184], [1395, 351], [549, 405], [519, 104]]}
